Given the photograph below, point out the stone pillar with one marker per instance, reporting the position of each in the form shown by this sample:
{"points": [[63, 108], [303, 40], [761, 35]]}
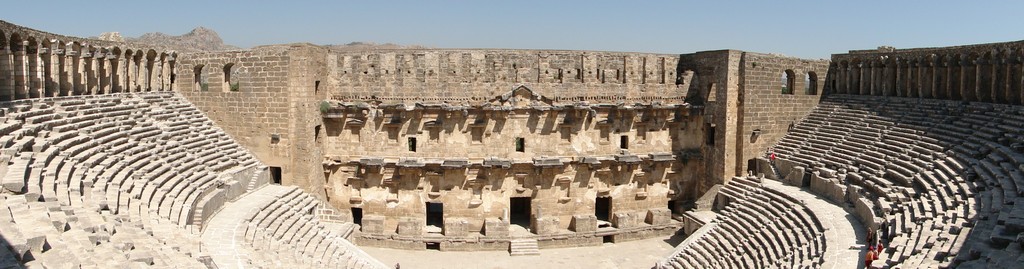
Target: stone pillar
{"points": [[35, 77], [102, 73], [6, 74], [113, 67], [68, 71], [1013, 94], [20, 70], [55, 67], [902, 77], [929, 79], [79, 63]]}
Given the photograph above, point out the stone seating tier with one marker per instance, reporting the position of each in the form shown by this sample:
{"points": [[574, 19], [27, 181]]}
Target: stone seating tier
{"points": [[945, 176]]}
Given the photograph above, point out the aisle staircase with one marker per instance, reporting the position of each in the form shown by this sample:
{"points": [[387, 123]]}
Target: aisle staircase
{"points": [[523, 247]]}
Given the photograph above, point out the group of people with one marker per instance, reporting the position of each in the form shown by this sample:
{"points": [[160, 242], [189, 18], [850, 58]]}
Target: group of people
{"points": [[874, 248]]}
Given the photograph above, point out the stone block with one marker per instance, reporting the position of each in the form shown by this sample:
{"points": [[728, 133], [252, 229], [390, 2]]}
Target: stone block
{"points": [[373, 224], [625, 220], [495, 227], [584, 223], [795, 177], [456, 227], [410, 226], [546, 226], [658, 216]]}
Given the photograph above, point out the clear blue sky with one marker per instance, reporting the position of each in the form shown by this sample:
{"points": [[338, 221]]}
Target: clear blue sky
{"points": [[808, 29]]}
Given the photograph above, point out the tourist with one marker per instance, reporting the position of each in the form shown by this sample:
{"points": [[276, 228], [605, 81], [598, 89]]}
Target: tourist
{"points": [[870, 257]]}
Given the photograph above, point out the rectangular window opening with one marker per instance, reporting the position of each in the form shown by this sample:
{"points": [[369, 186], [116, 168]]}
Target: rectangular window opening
{"points": [[412, 144], [624, 142], [710, 136], [520, 144]]}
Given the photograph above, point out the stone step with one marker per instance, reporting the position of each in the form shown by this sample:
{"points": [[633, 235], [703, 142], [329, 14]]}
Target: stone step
{"points": [[523, 247]]}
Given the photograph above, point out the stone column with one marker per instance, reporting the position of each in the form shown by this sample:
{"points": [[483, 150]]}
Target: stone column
{"points": [[929, 79], [6, 74], [53, 87], [20, 68], [36, 70]]}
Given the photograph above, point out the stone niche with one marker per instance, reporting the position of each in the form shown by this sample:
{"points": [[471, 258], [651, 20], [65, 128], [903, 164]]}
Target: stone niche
{"points": [[495, 227], [584, 223]]}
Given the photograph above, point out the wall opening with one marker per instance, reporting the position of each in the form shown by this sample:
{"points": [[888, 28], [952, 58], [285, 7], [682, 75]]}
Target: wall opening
{"points": [[316, 132], [624, 142], [811, 83], [607, 239], [412, 144], [710, 135], [603, 208], [520, 144], [433, 245], [519, 211], [229, 84], [357, 215], [435, 214], [275, 174], [788, 78], [672, 207], [316, 87], [200, 82]]}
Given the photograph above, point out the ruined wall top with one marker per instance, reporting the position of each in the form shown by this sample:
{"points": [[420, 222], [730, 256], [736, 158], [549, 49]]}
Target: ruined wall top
{"points": [[466, 75], [935, 55]]}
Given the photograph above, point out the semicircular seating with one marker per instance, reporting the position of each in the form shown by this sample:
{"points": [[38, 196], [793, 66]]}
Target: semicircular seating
{"points": [[120, 180], [943, 177], [758, 228]]}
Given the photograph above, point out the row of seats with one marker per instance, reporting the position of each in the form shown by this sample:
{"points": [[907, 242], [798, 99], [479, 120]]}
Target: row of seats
{"points": [[51, 235], [123, 178], [758, 228], [287, 230], [942, 176]]}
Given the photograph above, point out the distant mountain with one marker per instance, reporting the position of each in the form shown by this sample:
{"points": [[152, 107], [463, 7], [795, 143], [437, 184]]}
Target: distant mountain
{"points": [[372, 46], [199, 39], [205, 39]]}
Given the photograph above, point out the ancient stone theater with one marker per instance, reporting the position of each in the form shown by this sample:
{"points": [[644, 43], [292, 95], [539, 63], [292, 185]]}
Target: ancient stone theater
{"points": [[125, 155]]}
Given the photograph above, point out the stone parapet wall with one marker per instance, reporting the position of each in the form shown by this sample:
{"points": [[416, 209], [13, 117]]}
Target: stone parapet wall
{"points": [[455, 75]]}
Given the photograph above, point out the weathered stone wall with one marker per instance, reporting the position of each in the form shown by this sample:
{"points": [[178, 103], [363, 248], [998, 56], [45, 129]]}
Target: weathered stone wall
{"points": [[715, 86], [765, 111], [459, 76], [261, 107], [341, 124], [307, 68]]}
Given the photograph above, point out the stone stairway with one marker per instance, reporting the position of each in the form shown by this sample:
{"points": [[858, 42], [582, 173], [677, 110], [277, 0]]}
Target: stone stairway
{"points": [[775, 171], [523, 247]]}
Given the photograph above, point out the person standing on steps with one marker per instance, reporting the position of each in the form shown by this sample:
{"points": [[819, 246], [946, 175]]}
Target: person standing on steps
{"points": [[870, 257]]}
